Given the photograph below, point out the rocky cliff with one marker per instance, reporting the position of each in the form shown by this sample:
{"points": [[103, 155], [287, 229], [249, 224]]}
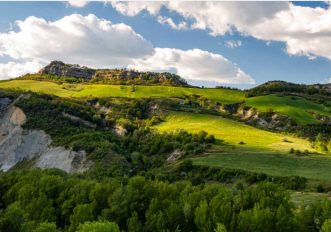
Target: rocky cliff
{"points": [[110, 76], [59, 68], [17, 144]]}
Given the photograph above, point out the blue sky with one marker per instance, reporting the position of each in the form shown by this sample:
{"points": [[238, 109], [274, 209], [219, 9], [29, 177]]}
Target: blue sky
{"points": [[261, 59]]}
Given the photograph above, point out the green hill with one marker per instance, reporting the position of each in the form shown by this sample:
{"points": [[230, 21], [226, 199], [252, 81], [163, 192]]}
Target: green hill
{"points": [[226, 96], [301, 110], [297, 108], [233, 132], [262, 151]]}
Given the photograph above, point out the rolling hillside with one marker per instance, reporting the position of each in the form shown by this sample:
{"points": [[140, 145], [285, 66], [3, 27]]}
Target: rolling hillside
{"points": [[298, 108], [262, 152], [226, 96], [301, 110], [233, 132], [241, 146]]}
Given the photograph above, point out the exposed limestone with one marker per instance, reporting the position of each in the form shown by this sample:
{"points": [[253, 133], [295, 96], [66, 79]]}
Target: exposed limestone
{"points": [[17, 145], [78, 119], [17, 117], [270, 120], [175, 155], [61, 158], [114, 76], [120, 130], [61, 69]]}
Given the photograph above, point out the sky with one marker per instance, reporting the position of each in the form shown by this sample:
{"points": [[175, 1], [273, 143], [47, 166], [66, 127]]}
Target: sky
{"points": [[237, 44]]}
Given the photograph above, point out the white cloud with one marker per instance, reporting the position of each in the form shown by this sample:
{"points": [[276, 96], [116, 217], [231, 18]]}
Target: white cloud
{"points": [[194, 65], [86, 40], [328, 80], [15, 69], [168, 21], [233, 43], [98, 43], [131, 8], [304, 30], [78, 3]]}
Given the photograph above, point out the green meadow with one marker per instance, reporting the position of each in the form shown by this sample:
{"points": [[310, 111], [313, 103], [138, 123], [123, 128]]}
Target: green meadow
{"points": [[300, 109], [233, 132], [297, 108], [263, 151], [311, 166], [226, 96]]}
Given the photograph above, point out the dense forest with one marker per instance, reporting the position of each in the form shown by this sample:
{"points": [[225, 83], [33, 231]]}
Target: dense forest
{"points": [[51, 200]]}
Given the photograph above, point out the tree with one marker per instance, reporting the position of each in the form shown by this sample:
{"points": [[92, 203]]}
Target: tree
{"points": [[220, 228], [98, 227], [201, 217], [133, 223], [12, 219], [46, 227], [82, 213], [326, 227]]}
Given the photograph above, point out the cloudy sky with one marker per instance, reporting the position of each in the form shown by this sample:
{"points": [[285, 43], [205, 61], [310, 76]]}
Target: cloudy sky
{"points": [[240, 44]]}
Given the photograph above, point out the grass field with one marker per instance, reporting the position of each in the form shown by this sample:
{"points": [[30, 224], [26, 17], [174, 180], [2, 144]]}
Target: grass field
{"points": [[295, 107], [233, 132], [311, 166], [226, 96], [263, 151]]}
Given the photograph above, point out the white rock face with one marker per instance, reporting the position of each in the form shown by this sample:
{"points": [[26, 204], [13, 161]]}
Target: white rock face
{"points": [[17, 145], [61, 158]]}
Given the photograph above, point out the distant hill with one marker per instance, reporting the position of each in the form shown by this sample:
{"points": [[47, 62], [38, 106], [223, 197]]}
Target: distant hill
{"points": [[59, 71], [271, 87]]}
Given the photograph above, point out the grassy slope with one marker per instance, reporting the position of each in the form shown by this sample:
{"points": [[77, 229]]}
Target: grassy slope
{"points": [[233, 132], [78, 90], [296, 107], [262, 148], [263, 152]]}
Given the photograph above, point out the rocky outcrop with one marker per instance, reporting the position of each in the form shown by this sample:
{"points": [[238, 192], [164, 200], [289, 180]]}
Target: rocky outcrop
{"points": [[111, 76], [266, 120], [59, 68], [17, 145], [120, 130]]}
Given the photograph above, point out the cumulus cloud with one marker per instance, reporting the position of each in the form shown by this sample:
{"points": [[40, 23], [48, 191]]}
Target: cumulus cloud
{"points": [[304, 30], [15, 69], [168, 21], [94, 42], [86, 40], [233, 43], [131, 8], [77, 3], [194, 65]]}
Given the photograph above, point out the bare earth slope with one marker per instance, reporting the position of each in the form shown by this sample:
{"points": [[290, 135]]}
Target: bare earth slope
{"points": [[17, 145]]}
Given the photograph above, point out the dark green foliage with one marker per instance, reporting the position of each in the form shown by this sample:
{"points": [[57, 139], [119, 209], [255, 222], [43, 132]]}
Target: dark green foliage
{"points": [[286, 87], [98, 227], [137, 204], [140, 150], [202, 174]]}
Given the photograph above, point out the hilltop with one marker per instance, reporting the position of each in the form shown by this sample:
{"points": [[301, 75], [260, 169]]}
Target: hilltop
{"points": [[290, 88], [73, 73]]}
